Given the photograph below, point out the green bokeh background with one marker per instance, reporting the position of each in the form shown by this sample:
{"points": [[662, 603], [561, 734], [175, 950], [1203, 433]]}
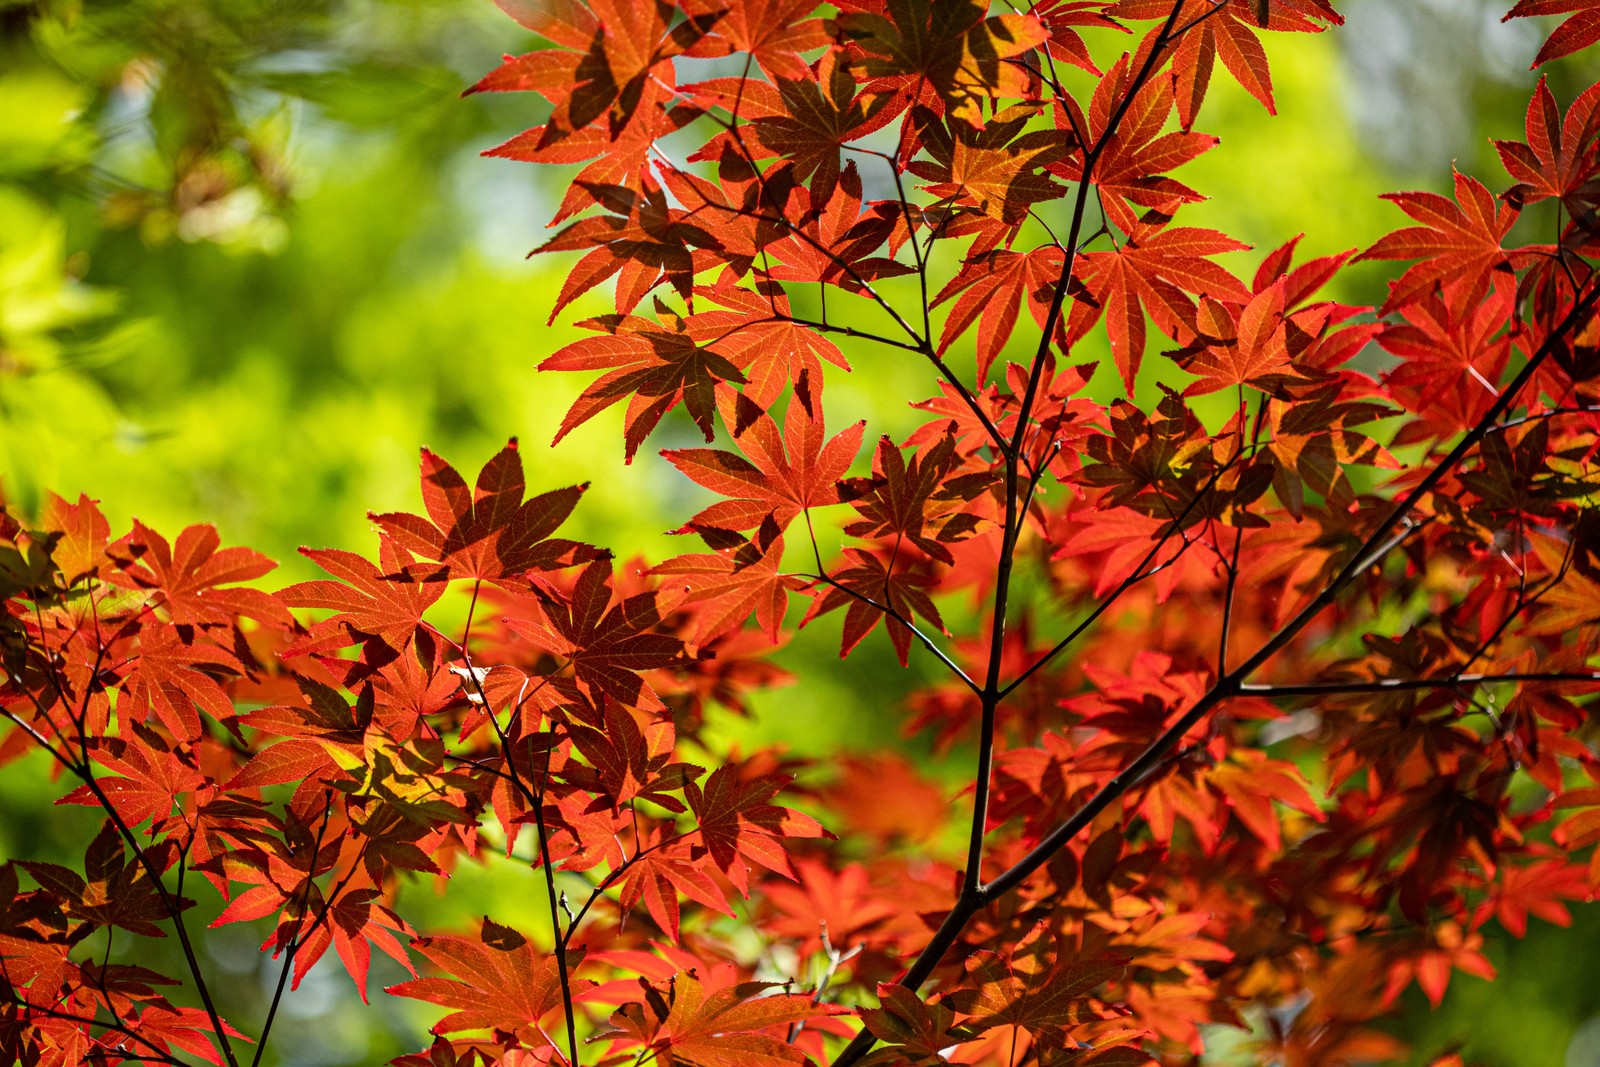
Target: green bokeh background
{"points": [[251, 259]]}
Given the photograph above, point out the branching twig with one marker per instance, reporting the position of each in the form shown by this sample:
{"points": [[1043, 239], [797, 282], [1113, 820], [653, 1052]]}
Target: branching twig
{"points": [[1404, 685], [1387, 534]]}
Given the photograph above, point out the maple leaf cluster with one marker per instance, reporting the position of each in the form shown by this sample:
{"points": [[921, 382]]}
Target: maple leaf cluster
{"points": [[1277, 691], [305, 770]]}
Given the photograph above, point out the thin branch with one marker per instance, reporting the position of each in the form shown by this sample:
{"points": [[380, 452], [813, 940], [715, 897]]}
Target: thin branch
{"points": [[170, 904], [1232, 564], [1580, 409], [846, 331], [508, 752], [893, 613], [38, 738], [159, 1055], [1227, 602], [1137, 575], [916, 249], [1404, 685], [1216, 8], [1524, 602], [296, 939], [537, 804], [1090, 158], [1011, 527]]}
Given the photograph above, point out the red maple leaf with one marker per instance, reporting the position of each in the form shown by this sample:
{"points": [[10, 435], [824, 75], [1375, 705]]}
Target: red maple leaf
{"points": [[176, 675], [911, 1026], [1437, 951], [732, 586], [1457, 242], [614, 159], [923, 500], [1229, 34], [629, 762], [187, 1028], [834, 241], [607, 645], [1247, 347], [842, 907], [622, 45], [1453, 359], [781, 473], [1034, 984], [772, 32], [1537, 889], [875, 583], [148, 779], [950, 47], [1066, 43], [641, 233], [819, 114], [1579, 31], [696, 1025], [736, 823], [991, 287], [186, 578], [502, 982], [80, 549], [1151, 273], [996, 172], [1559, 159], [114, 890], [753, 335], [356, 922], [487, 531], [659, 870], [654, 365], [1252, 784], [385, 602], [1135, 156]]}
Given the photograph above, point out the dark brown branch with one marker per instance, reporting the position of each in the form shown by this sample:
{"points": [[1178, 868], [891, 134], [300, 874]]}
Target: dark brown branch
{"points": [[172, 905], [537, 804], [972, 895], [1403, 685], [1012, 524], [891, 612], [1232, 566], [1216, 8], [1524, 602], [296, 939], [1138, 575]]}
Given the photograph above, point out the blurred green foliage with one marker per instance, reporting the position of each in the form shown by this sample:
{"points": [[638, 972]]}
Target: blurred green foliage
{"points": [[250, 260]]}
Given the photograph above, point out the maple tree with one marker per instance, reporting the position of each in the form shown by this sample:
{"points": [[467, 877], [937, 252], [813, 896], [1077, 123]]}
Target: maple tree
{"points": [[1279, 689]]}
